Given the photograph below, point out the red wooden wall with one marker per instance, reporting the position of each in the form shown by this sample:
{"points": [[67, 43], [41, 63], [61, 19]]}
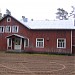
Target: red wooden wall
{"points": [[50, 37]]}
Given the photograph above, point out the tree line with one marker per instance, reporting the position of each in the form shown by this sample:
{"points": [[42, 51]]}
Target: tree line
{"points": [[61, 14]]}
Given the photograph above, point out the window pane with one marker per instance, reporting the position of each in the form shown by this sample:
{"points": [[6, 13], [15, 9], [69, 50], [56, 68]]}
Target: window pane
{"points": [[8, 29], [63, 44], [37, 44], [1, 29], [59, 44], [39, 39], [17, 41], [40, 44]]}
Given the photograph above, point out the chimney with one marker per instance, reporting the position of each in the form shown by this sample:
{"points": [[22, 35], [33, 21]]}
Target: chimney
{"points": [[24, 19], [31, 19]]}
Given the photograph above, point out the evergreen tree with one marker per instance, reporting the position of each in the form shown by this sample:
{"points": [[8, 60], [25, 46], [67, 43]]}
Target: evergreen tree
{"points": [[61, 14], [8, 12], [0, 15]]}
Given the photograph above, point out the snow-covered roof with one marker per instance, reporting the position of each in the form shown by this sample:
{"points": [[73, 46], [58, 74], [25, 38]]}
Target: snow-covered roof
{"points": [[55, 24], [48, 24]]}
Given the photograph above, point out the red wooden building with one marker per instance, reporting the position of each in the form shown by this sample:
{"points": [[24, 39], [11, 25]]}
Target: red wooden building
{"points": [[37, 36]]}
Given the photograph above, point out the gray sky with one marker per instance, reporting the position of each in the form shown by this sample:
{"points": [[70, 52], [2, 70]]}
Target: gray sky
{"points": [[36, 9]]}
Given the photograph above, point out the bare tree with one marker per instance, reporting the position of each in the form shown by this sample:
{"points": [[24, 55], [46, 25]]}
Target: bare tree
{"points": [[72, 12]]}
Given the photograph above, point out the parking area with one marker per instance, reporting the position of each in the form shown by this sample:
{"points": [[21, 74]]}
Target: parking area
{"points": [[36, 64]]}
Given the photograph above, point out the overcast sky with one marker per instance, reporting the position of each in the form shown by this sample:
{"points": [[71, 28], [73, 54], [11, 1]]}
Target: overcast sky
{"points": [[36, 9]]}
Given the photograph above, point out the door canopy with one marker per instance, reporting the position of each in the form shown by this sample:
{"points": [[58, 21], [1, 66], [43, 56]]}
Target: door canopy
{"points": [[16, 35]]}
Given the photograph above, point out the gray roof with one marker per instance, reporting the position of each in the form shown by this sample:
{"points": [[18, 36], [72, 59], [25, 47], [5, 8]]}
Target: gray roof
{"points": [[50, 24], [55, 24]]}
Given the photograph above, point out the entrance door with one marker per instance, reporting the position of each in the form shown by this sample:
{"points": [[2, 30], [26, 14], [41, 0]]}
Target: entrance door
{"points": [[17, 44]]}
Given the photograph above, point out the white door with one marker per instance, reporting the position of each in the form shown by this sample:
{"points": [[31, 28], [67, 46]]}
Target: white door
{"points": [[17, 44]]}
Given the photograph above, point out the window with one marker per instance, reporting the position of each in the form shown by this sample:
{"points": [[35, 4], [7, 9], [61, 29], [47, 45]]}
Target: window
{"points": [[40, 42], [8, 19], [26, 43], [17, 41], [15, 29], [1, 29], [61, 43], [8, 29]]}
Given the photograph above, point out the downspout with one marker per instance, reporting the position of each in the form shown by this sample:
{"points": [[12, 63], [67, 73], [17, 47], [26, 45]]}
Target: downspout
{"points": [[71, 41]]}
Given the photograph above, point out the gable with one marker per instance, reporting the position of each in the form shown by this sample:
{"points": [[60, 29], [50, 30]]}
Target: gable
{"points": [[5, 19], [9, 24]]}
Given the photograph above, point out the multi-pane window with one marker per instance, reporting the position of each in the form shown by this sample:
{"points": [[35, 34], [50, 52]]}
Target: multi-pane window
{"points": [[8, 29], [15, 29], [61, 43], [40, 42], [1, 29]]}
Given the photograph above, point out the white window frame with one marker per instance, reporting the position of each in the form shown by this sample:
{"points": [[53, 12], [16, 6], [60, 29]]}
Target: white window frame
{"points": [[8, 19], [37, 46], [6, 30], [15, 31], [1, 29], [62, 44]]}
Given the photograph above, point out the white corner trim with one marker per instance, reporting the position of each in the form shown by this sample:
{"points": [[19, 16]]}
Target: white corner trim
{"points": [[71, 41]]}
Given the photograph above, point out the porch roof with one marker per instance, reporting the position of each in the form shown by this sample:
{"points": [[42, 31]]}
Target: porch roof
{"points": [[16, 36]]}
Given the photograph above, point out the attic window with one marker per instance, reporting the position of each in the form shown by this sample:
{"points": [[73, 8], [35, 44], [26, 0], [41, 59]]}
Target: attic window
{"points": [[8, 19]]}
